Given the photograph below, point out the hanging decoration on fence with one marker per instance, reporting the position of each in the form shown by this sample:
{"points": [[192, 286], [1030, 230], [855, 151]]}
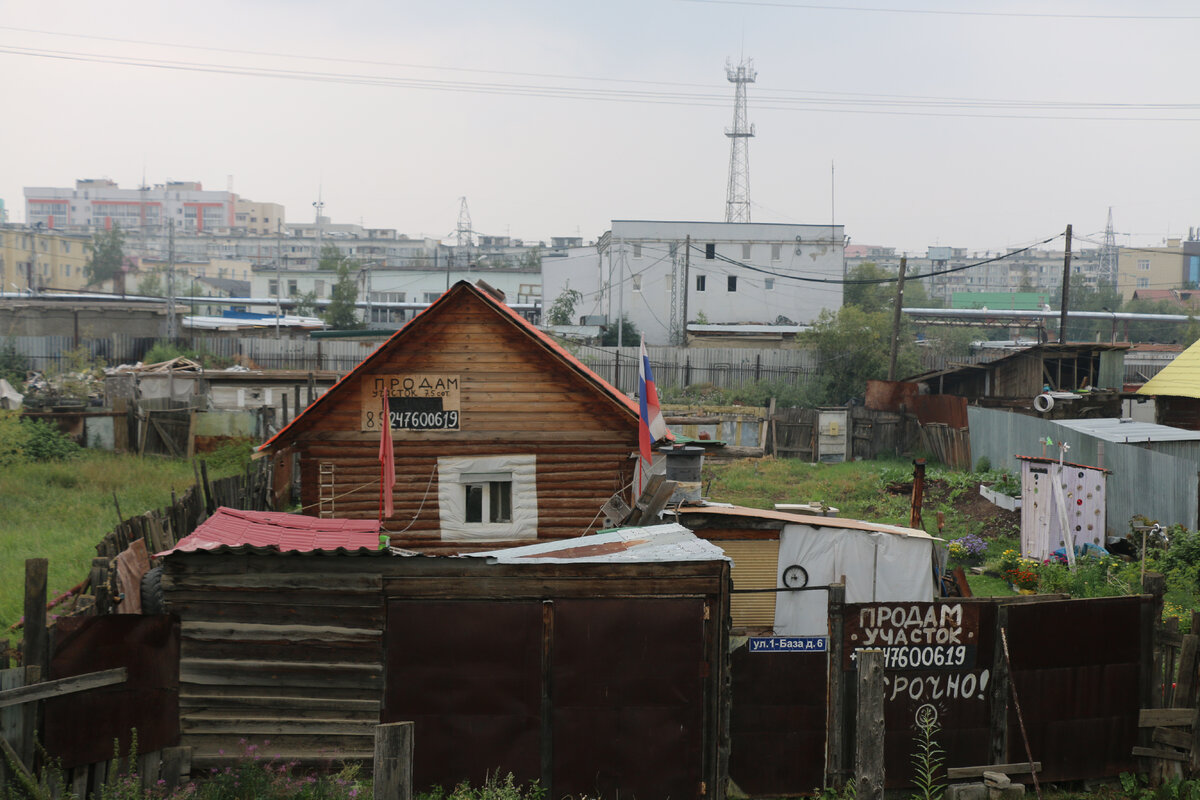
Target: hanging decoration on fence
{"points": [[416, 402]]}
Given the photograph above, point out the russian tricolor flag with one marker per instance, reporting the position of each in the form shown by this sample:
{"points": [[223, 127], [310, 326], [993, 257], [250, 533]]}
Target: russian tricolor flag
{"points": [[651, 424]]}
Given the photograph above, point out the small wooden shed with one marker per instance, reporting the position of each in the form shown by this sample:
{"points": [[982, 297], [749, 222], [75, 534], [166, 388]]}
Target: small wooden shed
{"points": [[501, 436], [566, 661]]}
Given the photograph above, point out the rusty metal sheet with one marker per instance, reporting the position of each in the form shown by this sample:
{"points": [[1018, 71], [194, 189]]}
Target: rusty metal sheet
{"points": [[1075, 664], [889, 395], [80, 728], [468, 674], [945, 408], [937, 656], [777, 722], [636, 730]]}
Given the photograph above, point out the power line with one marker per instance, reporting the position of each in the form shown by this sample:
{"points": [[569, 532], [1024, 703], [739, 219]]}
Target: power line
{"points": [[875, 281], [849, 104], [949, 13]]}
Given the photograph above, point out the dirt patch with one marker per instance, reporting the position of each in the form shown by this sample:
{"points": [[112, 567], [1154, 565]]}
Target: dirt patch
{"points": [[990, 520]]}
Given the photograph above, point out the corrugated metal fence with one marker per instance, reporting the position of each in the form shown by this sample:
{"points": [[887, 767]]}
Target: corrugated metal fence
{"points": [[1155, 485], [673, 366], [723, 367]]}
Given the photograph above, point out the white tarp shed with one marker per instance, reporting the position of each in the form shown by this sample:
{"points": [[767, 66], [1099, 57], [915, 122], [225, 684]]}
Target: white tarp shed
{"points": [[886, 564]]}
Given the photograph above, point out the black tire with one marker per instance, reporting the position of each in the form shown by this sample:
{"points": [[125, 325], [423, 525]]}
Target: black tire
{"points": [[153, 601]]}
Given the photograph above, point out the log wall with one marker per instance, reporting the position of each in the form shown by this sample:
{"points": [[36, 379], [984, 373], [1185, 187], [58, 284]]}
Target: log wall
{"points": [[286, 650], [517, 397]]}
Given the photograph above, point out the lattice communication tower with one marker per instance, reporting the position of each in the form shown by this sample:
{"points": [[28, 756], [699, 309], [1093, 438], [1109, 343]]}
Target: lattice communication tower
{"points": [[737, 198], [1108, 255]]}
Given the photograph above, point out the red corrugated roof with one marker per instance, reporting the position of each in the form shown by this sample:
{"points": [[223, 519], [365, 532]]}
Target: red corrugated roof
{"points": [[286, 532], [571, 361]]}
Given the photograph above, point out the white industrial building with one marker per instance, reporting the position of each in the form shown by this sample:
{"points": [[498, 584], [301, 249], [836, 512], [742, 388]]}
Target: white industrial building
{"points": [[733, 273]]}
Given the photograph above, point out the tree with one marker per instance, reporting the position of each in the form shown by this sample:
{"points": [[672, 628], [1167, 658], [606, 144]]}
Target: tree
{"points": [[107, 254], [854, 346], [341, 314], [562, 311], [873, 297], [331, 257], [629, 334], [150, 285], [306, 305]]}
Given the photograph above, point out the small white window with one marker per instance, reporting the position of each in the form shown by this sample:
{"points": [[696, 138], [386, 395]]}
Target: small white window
{"points": [[637, 283], [776, 252], [637, 251], [488, 498], [769, 284], [1144, 264], [700, 283], [745, 251]]}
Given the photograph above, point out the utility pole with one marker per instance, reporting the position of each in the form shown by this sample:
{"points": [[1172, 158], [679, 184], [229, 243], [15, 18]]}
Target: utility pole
{"points": [[621, 302], [687, 278], [896, 319], [172, 323], [278, 274], [1066, 290]]}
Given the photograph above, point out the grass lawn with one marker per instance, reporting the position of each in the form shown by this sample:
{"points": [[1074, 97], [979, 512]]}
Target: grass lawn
{"points": [[61, 510]]}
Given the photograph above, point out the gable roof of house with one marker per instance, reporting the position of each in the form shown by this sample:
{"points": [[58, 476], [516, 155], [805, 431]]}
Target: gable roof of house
{"points": [[1180, 378], [602, 387]]}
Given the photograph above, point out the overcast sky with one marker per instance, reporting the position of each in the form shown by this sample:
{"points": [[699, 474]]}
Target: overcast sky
{"points": [[980, 130]]}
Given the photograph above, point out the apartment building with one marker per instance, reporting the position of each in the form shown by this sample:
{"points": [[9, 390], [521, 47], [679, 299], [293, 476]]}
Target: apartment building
{"points": [[37, 258]]}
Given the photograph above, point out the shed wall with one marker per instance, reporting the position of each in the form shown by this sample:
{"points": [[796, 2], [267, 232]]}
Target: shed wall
{"points": [[1143, 481]]}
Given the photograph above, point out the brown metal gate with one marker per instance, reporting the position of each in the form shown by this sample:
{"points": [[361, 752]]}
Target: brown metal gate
{"points": [[592, 696], [1076, 669], [467, 674], [777, 722]]}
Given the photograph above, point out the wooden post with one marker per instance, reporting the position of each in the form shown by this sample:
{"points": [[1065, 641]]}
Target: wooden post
{"points": [[36, 644], [29, 719], [835, 744], [869, 727], [918, 493], [896, 319], [393, 761], [176, 764], [1155, 584], [998, 721]]}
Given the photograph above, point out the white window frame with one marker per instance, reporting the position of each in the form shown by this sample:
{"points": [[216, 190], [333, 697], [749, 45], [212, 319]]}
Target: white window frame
{"points": [[456, 473]]}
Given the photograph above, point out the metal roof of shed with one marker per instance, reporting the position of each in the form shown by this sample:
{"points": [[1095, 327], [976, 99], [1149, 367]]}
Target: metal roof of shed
{"points": [[660, 543], [229, 527], [1128, 430]]}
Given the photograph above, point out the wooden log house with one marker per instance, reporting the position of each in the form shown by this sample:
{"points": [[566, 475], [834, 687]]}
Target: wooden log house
{"points": [[501, 436]]}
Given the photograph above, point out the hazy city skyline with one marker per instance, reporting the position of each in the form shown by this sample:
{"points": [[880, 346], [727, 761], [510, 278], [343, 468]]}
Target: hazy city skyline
{"points": [[968, 128]]}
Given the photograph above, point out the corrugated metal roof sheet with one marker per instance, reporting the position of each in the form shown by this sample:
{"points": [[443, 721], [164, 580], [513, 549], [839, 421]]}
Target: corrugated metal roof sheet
{"points": [[1127, 430], [1180, 378], [276, 530], [662, 543], [800, 519]]}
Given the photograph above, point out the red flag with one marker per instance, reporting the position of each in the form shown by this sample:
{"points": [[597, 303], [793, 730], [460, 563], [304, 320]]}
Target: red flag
{"points": [[387, 463]]}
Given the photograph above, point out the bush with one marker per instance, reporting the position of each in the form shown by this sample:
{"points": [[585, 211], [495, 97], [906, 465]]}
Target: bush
{"points": [[27, 440], [47, 443], [493, 789], [13, 365], [13, 438]]}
